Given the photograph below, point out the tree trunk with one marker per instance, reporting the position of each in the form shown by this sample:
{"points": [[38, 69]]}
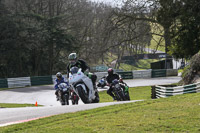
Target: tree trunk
{"points": [[167, 44]]}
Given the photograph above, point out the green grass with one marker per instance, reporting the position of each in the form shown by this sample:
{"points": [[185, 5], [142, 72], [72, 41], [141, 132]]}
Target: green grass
{"points": [[140, 65], [1, 89], [14, 105], [154, 44], [158, 29], [180, 70], [173, 114], [136, 93]]}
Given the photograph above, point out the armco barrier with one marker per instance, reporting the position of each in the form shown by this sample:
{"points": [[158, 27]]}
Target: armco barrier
{"points": [[19, 82], [3, 83], [45, 80], [41, 80], [126, 75], [161, 91], [158, 73], [142, 74]]}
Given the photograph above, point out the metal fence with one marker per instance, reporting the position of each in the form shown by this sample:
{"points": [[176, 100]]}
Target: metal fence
{"points": [[162, 91]]}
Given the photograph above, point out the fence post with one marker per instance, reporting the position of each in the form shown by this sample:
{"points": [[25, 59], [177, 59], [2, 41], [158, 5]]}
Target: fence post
{"points": [[153, 92]]}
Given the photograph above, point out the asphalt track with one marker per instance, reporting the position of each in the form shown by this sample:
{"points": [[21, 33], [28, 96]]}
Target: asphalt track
{"points": [[44, 95]]}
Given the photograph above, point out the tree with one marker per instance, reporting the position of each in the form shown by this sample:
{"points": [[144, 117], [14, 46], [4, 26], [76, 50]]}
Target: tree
{"points": [[186, 42]]}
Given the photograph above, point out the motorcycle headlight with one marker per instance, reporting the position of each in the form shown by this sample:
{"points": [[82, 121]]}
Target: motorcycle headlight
{"points": [[117, 87], [65, 89]]}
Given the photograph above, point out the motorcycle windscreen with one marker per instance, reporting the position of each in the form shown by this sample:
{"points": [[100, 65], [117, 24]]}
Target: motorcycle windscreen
{"points": [[118, 87], [74, 70]]}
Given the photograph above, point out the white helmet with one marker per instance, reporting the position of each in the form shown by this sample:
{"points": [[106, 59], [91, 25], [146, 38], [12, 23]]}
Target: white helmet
{"points": [[72, 58]]}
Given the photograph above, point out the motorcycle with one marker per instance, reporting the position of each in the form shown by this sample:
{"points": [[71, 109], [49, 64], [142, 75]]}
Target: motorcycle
{"points": [[82, 85], [74, 97], [63, 93], [102, 82], [120, 94]]}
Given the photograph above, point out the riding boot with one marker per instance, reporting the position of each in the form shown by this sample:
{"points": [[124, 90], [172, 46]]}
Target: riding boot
{"points": [[94, 86], [56, 93]]}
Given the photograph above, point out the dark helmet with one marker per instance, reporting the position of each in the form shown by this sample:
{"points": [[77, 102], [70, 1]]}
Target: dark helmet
{"points": [[72, 58], [110, 71], [58, 75]]}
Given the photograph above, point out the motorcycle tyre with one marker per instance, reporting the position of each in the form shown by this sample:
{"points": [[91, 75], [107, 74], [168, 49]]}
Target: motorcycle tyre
{"points": [[75, 100], [66, 99], [127, 96], [83, 96], [121, 96], [60, 98]]}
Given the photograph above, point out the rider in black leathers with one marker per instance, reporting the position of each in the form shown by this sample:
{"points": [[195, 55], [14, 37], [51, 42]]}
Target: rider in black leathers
{"points": [[73, 61], [111, 76]]}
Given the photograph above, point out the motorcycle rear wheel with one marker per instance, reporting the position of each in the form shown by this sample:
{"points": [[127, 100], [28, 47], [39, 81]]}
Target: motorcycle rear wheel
{"points": [[75, 100], [127, 96]]}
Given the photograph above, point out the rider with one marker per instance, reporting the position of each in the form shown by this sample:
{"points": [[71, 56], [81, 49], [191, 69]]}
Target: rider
{"points": [[73, 61], [111, 76], [59, 79]]}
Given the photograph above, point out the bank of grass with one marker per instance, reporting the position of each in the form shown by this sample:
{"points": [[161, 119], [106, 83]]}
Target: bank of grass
{"points": [[14, 105], [174, 114], [140, 65]]}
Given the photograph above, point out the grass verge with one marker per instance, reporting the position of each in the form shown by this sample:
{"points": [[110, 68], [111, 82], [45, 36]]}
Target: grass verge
{"points": [[14, 105], [136, 93], [173, 114]]}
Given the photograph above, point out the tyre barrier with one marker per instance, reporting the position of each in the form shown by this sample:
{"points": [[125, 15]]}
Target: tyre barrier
{"points": [[167, 91]]}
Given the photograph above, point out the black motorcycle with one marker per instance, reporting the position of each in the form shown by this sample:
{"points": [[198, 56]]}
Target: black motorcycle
{"points": [[120, 93], [63, 93]]}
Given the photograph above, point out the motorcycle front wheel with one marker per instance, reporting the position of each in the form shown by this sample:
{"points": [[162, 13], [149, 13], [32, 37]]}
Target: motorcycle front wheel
{"points": [[121, 96], [66, 99], [82, 94]]}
